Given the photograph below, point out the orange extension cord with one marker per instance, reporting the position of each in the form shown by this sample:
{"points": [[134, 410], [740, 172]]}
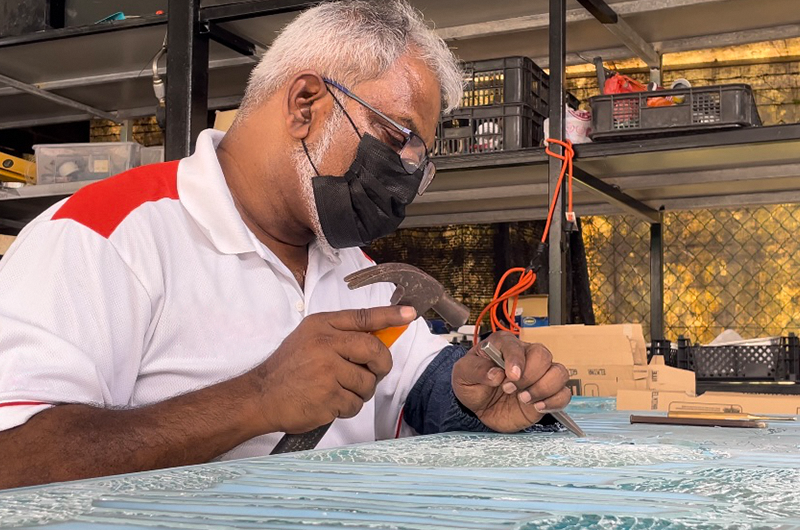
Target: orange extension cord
{"points": [[527, 275]]}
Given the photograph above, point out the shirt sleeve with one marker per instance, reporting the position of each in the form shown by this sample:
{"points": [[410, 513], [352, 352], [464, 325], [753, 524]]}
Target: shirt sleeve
{"points": [[432, 407], [412, 353], [73, 321]]}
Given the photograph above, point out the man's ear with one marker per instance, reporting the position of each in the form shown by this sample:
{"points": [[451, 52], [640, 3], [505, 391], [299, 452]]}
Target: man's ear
{"points": [[300, 106]]}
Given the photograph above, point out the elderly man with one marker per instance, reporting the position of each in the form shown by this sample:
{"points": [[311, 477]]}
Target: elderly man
{"points": [[196, 310]]}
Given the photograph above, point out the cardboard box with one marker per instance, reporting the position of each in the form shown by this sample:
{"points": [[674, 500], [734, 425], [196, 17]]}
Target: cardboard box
{"points": [[620, 344], [710, 402], [602, 360], [534, 305], [5, 242], [224, 119], [608, 380]]}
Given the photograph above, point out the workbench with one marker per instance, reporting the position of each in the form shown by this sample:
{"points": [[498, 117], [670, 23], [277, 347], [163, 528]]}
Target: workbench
{"points": [[622, 476]]}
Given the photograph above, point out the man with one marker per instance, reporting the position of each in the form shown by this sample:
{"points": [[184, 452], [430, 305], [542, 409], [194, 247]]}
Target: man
{"points": [[185, 312]]}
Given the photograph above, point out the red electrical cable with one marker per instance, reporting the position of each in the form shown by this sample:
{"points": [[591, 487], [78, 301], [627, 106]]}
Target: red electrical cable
{"points": [[527, 276]]}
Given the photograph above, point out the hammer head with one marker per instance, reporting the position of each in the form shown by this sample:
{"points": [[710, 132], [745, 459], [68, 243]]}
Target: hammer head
{"points": [[413, 288]]}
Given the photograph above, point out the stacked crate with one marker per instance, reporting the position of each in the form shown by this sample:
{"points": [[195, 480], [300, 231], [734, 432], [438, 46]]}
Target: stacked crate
{"points": [[504, 107]]}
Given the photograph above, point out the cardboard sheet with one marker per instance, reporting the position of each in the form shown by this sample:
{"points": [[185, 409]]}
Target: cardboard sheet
{"points": [[637, 399], [621, 344]]}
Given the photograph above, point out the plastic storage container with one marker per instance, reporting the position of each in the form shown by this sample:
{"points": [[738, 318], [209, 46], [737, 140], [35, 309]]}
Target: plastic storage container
{"points": [[91, 161], [488, 129], [778, 362], [666, 112], [506, 80], [152, 155]]}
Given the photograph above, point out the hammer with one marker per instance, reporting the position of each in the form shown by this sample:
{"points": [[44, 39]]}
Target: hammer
{"points": [[412, 288]]}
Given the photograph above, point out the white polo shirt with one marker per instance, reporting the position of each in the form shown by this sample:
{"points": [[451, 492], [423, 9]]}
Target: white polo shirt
{"points": [[148, 285]]}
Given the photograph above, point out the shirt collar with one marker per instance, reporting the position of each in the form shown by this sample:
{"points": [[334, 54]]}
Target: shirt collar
{"points": [[204, 193]]}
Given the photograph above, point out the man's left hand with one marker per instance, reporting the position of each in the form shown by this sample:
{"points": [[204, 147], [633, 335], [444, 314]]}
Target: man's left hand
{"points": [[511, 401]]}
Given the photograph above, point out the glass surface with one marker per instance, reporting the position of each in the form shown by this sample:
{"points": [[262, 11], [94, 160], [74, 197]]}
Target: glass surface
{"points": [[622, 477]]}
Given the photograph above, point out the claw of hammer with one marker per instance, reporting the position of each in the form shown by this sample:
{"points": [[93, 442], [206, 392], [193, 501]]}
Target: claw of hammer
{"points": [[413, 288]]}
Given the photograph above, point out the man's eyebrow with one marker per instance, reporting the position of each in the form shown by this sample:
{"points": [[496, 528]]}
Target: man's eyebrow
{"points": [[406, 122], [409, 123]]}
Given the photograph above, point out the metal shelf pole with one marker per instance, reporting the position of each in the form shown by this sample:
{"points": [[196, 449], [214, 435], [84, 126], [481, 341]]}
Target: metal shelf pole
{"points": [[657, 279], [187, 82], [557, 253]]}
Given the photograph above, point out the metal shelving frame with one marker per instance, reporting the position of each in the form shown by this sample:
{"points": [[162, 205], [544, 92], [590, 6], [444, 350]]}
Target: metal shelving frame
{"points": [[213, 45]]}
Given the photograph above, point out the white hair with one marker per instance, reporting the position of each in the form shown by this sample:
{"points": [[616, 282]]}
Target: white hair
{"points": [[353, 41]]}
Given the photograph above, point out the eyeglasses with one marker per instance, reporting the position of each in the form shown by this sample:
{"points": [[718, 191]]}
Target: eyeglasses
{"points": [[413, 153]]}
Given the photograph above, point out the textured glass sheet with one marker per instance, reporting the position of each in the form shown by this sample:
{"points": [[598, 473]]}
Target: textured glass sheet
{"points": [[623, 477]]}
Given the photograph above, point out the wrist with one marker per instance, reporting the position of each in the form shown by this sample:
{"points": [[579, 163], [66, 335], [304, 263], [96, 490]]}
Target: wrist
{"points": [[255, 418]]}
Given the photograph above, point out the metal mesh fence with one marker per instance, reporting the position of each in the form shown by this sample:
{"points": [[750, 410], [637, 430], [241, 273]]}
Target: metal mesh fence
{"points": [[469, 260], [724, 269], [461, 257]]}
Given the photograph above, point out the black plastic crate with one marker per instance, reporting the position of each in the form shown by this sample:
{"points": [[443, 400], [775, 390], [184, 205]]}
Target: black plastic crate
{"points": [[506, 80], [664, 348], [695, 109], [488, 129], [770, 362]]}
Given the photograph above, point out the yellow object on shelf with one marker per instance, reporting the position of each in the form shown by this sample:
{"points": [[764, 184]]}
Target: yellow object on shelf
{"points": [[13, 169]]}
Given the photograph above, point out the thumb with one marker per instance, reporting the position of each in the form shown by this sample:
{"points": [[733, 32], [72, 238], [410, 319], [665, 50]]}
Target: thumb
{"points": [[372, 318]]}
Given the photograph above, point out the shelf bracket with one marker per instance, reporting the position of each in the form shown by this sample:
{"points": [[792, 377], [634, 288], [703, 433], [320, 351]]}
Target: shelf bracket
{"points": [[624, 32], [252, 8], [55, 98], [13, 224], [230, 40], [617, 197]]}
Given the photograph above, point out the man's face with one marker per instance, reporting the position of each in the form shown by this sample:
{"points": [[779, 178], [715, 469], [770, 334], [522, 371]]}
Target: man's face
{"points": [[408, 93]]}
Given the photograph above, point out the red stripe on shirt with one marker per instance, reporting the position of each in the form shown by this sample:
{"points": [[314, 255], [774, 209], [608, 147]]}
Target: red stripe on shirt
{"points": [[367, 256], [399, 424], [104, 205], [18, 403]]}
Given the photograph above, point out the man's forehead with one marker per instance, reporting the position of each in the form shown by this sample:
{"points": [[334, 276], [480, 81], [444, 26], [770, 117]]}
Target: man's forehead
{"points": [[408, 93]]}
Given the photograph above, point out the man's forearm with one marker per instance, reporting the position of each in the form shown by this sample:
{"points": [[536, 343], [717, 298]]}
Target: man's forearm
{"points": [[70, 442]]}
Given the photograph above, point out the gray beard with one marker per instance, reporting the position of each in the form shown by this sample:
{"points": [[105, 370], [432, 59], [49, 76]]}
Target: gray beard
{"points": [[305, 172]]}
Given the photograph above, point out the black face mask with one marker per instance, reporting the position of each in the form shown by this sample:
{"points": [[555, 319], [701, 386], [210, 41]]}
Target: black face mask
{"points": [[370, 200]]}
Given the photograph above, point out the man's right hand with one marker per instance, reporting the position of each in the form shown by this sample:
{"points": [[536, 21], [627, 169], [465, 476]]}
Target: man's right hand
{"points": [[327, 368]]}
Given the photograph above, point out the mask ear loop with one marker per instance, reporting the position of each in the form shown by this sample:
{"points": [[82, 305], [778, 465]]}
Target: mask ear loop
{"points": [[345, 112], [308, 155], [305, 147]]}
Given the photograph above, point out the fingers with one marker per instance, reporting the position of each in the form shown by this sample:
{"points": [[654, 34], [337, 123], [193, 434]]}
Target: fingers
{"points": [[348, 404], [555, 402], [513, 353], [366, 350], [549, 387], [477, 370], [538, 362], [371, 319], [357, 379]]}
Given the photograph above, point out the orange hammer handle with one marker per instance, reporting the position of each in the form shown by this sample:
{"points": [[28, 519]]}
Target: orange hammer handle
{"points": [[388, 336]]}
